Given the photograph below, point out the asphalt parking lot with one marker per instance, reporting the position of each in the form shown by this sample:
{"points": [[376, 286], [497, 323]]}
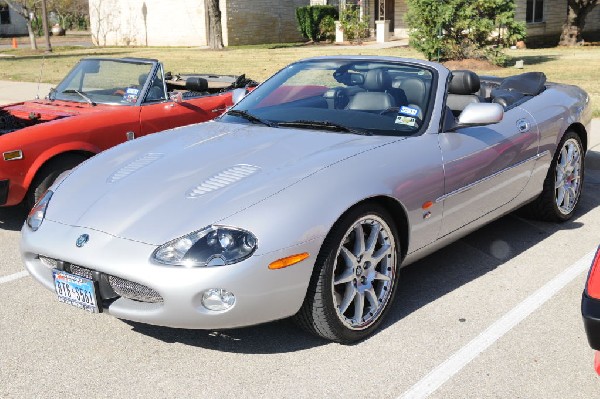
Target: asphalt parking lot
{"points": [[494, 315]]}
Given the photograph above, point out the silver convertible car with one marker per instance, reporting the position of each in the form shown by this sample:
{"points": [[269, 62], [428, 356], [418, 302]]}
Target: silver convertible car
{"points": [[307, 197]]}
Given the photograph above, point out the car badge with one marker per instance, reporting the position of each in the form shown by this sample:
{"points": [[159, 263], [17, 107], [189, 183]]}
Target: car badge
{"points": [[82, 240]]}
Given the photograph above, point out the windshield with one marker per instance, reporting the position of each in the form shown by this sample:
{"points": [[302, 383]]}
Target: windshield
{"points": [[104, 82], [376, 97]]}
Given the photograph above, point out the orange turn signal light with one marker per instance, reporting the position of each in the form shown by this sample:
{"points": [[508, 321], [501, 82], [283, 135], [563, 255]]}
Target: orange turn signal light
{"points": [[427, 205], [13, 155], [288, 261]]}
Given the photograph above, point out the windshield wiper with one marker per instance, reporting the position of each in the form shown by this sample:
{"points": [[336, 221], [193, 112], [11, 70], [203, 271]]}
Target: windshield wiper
{"points": [[82, 94], [248, 116], [324, 125]]}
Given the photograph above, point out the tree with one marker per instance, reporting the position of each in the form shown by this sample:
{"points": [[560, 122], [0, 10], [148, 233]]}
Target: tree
{"points": [[577, 11], [215, 35], [25, 8], [70, 12], [459, 29]]}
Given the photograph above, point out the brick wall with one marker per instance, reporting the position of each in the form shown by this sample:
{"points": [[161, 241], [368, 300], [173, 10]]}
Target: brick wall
{"points": [[547, 33], [262, 21]]}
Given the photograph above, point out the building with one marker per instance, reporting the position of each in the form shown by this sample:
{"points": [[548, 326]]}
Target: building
{"points": [[185, 22], [544, 18], [11, 23]]}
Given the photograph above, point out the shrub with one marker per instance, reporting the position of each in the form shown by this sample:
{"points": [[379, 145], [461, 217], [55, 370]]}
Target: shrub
{"points": [[459, 29], [310, 18], [327, 28], [355, 28]]}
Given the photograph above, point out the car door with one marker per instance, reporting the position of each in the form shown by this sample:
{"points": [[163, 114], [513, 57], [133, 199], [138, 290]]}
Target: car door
{"points": [[485, 167], [163, 115]]}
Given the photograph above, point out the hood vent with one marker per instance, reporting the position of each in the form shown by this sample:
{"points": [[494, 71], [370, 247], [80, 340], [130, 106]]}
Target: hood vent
{"points": [[222, 179], [134, 166]]}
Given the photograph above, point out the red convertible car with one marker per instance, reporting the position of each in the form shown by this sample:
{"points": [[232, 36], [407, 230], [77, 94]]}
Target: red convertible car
{"points": [[102, 102], [590, 308]]}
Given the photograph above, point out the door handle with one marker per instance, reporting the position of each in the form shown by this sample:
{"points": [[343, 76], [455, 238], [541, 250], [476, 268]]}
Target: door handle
{"points": [[523, 126]]}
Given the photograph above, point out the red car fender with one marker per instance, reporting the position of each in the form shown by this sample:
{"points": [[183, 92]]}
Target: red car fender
{"points": [[62, 148]]}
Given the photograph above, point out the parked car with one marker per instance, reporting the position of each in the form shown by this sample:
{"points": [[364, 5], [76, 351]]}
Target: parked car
{"points": [[307, 197], [102, 102], [590, 308]]}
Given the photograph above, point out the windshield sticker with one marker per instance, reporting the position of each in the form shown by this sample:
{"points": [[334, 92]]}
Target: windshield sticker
{"points": [[132, 90], [406, 120], [130, 98], [408, 111]]}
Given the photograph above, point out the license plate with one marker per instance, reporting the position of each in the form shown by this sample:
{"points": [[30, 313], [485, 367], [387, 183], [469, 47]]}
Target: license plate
{"points": [[75, 290]]}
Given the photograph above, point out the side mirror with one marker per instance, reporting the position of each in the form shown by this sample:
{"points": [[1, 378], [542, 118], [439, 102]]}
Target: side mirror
{"points": [[237, 95], [479, 114], [176, 97]]}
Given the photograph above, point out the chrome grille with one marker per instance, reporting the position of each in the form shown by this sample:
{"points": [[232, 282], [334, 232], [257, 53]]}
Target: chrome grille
{"points": [[135, 291], [81, 271]]}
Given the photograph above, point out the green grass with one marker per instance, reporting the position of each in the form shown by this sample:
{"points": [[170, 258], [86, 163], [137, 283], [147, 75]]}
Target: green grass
{"points": [[579, 66]]}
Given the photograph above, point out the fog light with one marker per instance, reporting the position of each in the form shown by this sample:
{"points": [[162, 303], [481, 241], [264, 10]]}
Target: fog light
{"points": [[218, 299]]}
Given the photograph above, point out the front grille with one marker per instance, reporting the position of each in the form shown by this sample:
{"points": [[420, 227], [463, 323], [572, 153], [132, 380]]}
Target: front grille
{"points": [[135, 291], [121, 287], [81, 271]]}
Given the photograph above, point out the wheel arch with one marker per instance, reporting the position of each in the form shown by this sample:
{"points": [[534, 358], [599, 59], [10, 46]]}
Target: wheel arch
{"points": [[580, 130], [398, 213], [52, 155], [40, 167]]}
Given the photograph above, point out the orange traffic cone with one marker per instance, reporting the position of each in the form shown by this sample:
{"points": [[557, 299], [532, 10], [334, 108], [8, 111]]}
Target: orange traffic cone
{"points": [[14, 43]]}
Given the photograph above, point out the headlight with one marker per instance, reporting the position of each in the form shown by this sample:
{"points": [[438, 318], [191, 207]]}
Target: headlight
{"points": [[212, 246], [38, 212]]}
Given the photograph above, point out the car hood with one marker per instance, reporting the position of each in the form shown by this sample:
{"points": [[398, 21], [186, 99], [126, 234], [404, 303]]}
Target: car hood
{"points": [[168, 184], [17, 116]]}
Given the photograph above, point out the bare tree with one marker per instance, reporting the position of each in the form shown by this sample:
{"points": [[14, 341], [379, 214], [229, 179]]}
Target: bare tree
{"points": [[45, 26], [577, 11], [26, 9], [215, 31]]}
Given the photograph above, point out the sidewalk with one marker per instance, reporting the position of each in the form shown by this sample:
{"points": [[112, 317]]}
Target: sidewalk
{"points": [[12, 92]]}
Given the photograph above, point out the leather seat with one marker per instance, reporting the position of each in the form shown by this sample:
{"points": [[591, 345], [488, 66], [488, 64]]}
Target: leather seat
{"points": [[462, 89], [375, 98]]}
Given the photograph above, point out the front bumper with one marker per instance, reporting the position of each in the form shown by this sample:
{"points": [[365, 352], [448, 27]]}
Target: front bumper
{"points": [[590, 309], [262, 294]]}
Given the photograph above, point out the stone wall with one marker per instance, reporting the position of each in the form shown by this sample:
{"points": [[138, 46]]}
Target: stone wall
{"points": [[148, 22]]}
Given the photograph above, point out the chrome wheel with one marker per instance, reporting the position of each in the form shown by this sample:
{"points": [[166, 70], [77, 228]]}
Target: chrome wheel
{"points": [[567, 183], [364, 272]]}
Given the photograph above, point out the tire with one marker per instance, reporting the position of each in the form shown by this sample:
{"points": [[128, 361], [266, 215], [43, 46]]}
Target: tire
{"points": [[47, 174], [562, 186], [355, 277]]}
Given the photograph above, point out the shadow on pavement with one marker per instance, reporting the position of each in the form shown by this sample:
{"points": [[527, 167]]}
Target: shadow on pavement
{"points": [[12, 218]]}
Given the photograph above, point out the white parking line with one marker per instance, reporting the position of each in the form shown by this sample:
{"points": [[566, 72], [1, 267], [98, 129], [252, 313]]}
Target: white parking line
{"points": [[442, 373], [11, 277]]}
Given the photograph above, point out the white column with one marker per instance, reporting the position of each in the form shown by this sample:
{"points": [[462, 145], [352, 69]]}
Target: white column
{"points": [[383, 31]]}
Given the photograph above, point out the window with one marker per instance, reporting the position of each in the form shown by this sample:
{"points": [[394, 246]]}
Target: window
{"points": [[535, 11], [4, 14]]}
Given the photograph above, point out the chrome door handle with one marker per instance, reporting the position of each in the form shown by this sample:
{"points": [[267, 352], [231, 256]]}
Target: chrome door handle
{"points": [[523, 126]]}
